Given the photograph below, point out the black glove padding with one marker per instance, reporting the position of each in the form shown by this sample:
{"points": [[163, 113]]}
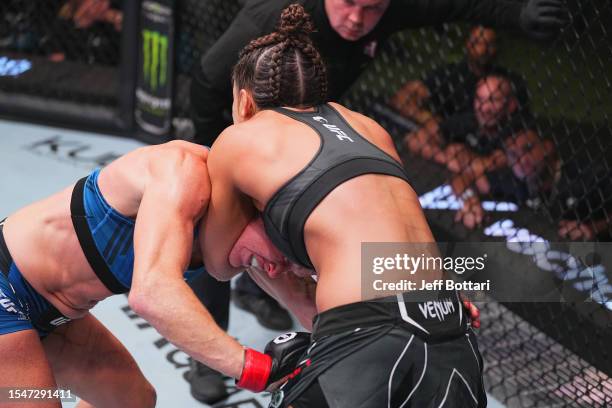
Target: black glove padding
{"points": [[541, 19], [286, 351]]}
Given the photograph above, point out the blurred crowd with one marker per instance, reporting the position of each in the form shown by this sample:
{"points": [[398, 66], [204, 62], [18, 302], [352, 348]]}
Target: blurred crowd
{"points": [[63, 30], [474, 119]]}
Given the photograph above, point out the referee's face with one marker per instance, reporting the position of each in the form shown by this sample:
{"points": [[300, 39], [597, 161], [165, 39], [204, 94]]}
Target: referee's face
{"points": [[353, 19]]}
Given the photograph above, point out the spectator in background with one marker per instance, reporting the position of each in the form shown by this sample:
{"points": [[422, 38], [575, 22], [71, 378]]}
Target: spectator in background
{"points": [[512, 175], [87, 31], [348, 35], [450, 89], [578, 194], [472, 138], [18, 31], [85, 13], [74, 30], [349, 32]]}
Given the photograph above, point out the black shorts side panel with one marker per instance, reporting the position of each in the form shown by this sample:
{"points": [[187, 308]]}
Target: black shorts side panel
{"points": [[398, 367]]}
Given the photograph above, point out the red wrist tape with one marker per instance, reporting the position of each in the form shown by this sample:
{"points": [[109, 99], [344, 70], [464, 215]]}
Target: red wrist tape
{"points": [[256, 371]]}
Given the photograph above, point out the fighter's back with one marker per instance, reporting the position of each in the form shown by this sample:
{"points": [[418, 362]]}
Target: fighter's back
{"points": [[368, 208], [41, 237]]}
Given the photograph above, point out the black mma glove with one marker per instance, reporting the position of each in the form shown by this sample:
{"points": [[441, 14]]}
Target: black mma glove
{"points": [[280, 358], [541, 19]]}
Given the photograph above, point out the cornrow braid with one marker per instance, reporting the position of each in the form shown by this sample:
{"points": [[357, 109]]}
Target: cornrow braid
{"points": [[272, 38], [284, 68], [276, 71], [310, 51]]}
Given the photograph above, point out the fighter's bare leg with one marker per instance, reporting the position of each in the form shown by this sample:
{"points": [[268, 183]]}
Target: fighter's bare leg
{"points": [[87, 359], [25, 366]]}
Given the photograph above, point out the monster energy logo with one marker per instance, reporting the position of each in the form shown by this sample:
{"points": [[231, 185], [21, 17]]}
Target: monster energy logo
{"points": [[155, 59]]}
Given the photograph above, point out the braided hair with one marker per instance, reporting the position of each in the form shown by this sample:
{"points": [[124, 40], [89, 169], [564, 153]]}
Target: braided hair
{"points": [[283, 68]]}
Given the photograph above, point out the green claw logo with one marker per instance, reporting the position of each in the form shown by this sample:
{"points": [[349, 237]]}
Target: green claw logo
{"points": [[155, 59]]}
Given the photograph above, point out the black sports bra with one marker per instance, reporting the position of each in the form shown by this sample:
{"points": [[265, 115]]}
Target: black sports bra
{"points": [[343, 155]]}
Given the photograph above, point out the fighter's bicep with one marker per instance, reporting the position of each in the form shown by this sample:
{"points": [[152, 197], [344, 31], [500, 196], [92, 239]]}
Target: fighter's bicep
{"points": [[175, 196]]}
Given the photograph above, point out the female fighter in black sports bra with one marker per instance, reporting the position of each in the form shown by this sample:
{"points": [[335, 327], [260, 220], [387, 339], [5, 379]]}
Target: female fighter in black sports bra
{"points": [[327, 179]]}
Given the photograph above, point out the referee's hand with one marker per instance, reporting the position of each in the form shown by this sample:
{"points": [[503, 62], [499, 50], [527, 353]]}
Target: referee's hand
{"points": [[542, 19]]}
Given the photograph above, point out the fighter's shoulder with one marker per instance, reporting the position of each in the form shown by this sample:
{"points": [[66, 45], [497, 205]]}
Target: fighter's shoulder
{"points": [[359, 121], [369, 128], [176, 149], [175, 157], [242, 147], [231, 137], [245, 136]]}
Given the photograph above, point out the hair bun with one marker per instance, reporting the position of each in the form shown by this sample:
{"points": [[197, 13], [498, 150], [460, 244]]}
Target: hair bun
{"points": [[295, 21]]}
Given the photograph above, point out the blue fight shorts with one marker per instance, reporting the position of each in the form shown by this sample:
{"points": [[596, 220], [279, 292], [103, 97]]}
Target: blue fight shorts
{"points": [[21, 307]]}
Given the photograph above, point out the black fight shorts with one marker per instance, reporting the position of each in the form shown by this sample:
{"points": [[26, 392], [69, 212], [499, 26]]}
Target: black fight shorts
{"points": [[389, 353]]}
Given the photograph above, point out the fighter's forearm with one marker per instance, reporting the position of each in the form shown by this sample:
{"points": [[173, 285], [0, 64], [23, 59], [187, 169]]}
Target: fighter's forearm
{"points": [[176, 313]]}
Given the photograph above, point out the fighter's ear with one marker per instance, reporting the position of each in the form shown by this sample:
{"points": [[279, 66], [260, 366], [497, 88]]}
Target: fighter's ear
{"points": [[246, 104]]}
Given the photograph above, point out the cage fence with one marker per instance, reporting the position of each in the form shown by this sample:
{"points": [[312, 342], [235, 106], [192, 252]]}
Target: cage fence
{"points": [[504, 138]]}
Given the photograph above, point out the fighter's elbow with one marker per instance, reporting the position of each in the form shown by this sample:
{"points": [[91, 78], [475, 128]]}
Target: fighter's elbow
{"points": [[140, 303], [144, 300]]}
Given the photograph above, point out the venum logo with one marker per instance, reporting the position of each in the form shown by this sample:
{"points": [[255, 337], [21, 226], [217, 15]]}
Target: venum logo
{"points": [[340, 134], [437, 309]]}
